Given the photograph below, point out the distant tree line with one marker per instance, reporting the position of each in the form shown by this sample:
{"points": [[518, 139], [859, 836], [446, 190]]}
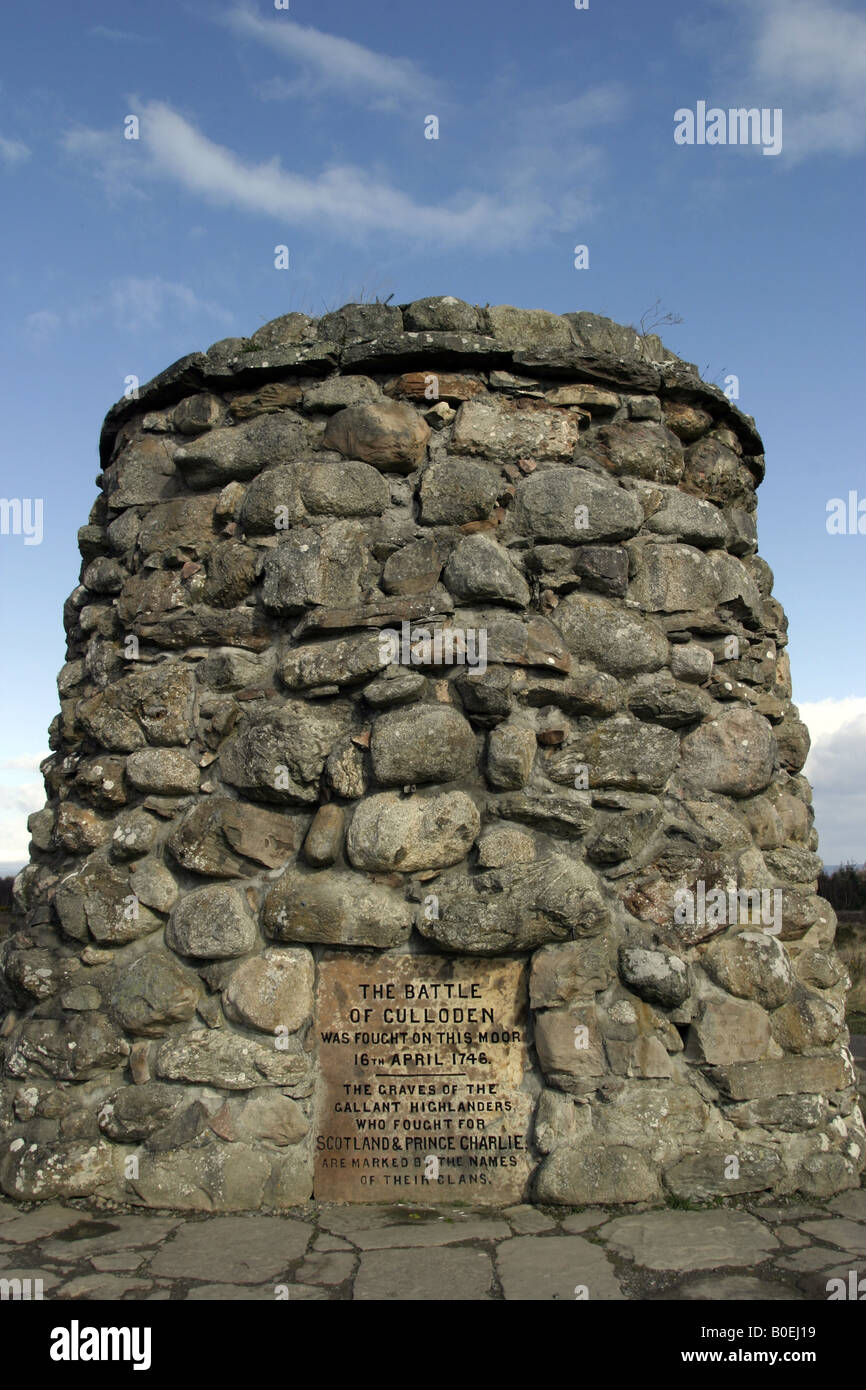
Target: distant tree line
{"points": [[845, 888], [6, 892]]}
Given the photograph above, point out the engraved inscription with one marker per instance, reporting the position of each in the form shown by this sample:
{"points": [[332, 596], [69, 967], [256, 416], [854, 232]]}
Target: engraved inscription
{"points": [[422, 1060]]}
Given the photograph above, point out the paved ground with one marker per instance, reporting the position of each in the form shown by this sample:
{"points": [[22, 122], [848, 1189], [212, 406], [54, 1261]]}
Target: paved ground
{"points": [[758, 1252]]}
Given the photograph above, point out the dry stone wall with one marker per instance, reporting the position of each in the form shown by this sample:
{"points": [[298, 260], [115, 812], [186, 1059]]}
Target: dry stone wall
{"points": [[429, 631]]}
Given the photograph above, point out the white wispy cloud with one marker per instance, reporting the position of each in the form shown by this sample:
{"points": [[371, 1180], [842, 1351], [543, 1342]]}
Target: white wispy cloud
{"points": [[133, 304], [25, 762], [101, 31], [18, 798], [827, 717], [41, 326], [807, 57], [836, 767], [141, 302], [16, 804], [330, 61], [549, 151], [13, 152], [112, 160], [817, 50], [346, 200], [607, 101]]}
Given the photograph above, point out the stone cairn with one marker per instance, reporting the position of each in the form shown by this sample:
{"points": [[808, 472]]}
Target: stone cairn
{"points": [[277, 738]]}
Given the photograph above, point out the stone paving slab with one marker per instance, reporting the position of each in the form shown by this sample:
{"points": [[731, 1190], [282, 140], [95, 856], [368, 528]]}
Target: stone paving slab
{"points": [[794, 1212], [125, 1261], [23, 1227], [237, 1293], [815, 1257], [790, 1236], [581, 1221], [234, 1249], [130, 1232], [851, 1204], [848, 1235], [322, 1268], [539, 1268], [328, 1242], [685, 1240], [443, 1233], [741, 1288], [749, 1252], [338, 1220], [105, 1287], [437, 1275], [528, 1221]]}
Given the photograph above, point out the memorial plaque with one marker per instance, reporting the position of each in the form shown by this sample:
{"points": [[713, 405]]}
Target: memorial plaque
{"points": [[421, 1062]]}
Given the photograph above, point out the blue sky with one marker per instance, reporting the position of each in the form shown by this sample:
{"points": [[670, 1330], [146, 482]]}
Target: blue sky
{"points": [[305, 127]]}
